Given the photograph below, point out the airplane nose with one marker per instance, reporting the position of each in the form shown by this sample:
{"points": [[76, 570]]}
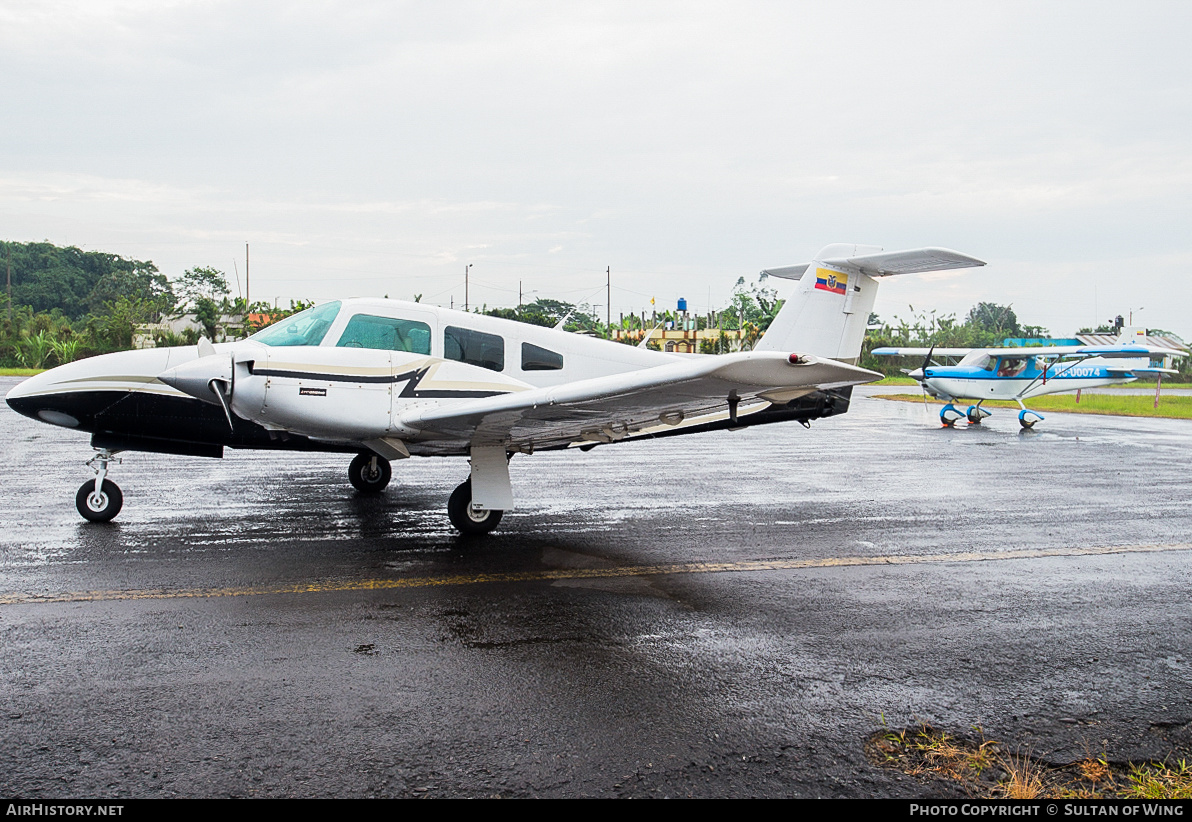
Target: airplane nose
{"points": [[194, 378], [917, 374], [22, 397]]}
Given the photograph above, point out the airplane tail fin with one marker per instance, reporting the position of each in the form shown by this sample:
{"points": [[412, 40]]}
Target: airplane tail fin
{"points": [[829, 309], [1131, 335]]}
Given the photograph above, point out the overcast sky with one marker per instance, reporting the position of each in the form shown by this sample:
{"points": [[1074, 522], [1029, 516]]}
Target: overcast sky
{"points": [[378, 148]]}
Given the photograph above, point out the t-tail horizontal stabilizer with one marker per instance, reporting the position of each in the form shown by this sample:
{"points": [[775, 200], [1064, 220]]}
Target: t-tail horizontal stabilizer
{"points": [[829, 309]]}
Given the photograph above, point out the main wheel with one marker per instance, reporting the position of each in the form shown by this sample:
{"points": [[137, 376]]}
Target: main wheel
{"points": [[99, 507], [466, 519], [369, 473], [1027, 419]]}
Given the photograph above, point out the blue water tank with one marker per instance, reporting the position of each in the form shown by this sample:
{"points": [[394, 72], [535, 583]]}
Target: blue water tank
{"points": [[682, 303]]}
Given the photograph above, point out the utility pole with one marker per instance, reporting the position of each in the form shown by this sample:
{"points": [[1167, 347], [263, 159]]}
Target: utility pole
{"points": [[467, 268], [247, 293], [8, 248], [608, 308]]}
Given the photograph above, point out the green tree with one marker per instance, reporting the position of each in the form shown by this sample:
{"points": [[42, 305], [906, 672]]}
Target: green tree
{"points": [[142, 284], [114, 329], [998, 319], [547, 313], [46, 276], [202, 283]]}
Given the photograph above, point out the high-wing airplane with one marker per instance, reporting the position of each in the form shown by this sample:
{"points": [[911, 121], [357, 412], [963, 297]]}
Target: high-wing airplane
{"points": [[386, 380], [1021, 373]]}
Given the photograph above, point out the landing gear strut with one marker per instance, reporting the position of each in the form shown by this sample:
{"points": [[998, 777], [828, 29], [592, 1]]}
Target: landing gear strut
{"points": [[100, 500], [369, 473], [470, 521]]}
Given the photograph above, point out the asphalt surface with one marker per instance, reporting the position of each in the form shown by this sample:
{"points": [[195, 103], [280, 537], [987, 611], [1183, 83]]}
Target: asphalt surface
{"points": [[729, 614]]}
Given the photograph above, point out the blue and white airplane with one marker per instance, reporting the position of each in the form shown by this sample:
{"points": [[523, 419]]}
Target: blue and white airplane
{"points": [[1021, 373]]}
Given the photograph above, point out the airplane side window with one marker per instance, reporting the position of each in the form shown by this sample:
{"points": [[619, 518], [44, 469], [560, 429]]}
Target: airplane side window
{"points": [[535, 358], [474, 348], [1011, 367], [386, 334], [304, 328]]}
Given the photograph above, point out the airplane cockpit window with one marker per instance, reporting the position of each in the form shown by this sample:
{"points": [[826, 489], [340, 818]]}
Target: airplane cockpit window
{"points": [[1011, 366], [535, 358], [386, 334], [304, 328], [474, 348]]}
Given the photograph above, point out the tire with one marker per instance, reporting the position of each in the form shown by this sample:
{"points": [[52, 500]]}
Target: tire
{"points": [[102, 508], [468, 521], [366, 479]]}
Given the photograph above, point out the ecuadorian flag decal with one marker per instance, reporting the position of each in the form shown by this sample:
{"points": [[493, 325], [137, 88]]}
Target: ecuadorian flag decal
{"points": [[829, 280]]}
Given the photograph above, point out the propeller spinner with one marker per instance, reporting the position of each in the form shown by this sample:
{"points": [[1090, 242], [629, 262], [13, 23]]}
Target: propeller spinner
{"points": [[210, 378]]}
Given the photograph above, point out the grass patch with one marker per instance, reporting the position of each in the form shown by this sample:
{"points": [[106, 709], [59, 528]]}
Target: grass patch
{"points": [[1159, 781], [1171, 407], [985, 768], [894, 381], [20, 372]]}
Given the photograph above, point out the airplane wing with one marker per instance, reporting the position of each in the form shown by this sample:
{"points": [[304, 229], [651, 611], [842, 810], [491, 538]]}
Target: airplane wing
{"points": [[1111, 351], [1108, 351], [609, 408], [920, 352]]}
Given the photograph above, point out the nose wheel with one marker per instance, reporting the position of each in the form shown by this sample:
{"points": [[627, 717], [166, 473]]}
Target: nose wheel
{"points": [[101, 505], [949, 415], [99, 500]]}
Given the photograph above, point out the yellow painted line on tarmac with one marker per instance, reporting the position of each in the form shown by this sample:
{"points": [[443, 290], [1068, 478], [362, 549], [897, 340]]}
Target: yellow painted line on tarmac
{"points": [[334, 586]]}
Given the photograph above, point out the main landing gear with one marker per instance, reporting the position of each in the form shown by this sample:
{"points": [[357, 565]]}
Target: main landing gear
{"points": [[470, 521], [976, 413], [1028, 418], [369, 473], [100, 500]]}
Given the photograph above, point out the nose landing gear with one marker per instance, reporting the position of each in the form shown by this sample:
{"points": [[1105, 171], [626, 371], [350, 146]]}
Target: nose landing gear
{"points": [[949, 415], [100, 500]]}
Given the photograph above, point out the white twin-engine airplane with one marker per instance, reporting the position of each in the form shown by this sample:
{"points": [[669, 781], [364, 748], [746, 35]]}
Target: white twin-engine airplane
{"points": [[388, 380]]}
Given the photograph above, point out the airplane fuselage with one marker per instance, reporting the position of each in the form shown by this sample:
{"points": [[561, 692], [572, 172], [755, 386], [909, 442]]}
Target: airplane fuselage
{"points": [[335, 383], [974, 383]]}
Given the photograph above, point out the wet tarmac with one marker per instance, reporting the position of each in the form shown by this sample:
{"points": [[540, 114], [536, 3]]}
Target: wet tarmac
{"points": [[728, 614]]}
